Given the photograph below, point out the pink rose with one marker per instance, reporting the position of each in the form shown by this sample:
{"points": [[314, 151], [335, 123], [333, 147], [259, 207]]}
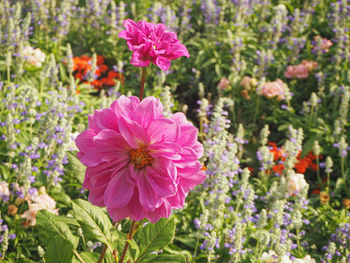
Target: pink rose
{"points": [[301, 71], [274, 89], [290, 72]]}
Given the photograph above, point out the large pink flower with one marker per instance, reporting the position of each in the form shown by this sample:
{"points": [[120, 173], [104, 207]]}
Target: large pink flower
{"points": [[139, 163], [152, 43]]}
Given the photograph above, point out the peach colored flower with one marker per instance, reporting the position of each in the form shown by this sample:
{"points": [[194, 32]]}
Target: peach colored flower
{"points": [[296, 183], [12, 210], [223, 84], [346, 203], [37, 203], [311, 65], [245, 82], [325, 44], [301, 71], [274, 89], [290, 72]]}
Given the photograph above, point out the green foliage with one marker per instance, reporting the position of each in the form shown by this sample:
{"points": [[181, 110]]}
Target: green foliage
{"points": [[154, 237], [94, 221]]}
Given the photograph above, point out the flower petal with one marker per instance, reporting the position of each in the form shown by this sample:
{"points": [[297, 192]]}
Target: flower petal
{"points": [[133, 133], [119, 191], [139, 60], [149, 199], [147, 111], [163, 63], [162, 184]]}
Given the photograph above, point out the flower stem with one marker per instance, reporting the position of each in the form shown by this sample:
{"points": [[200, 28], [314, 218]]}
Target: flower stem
{"points": [[129, 237], [143, 77], [103, 253], [104, 250], [78, 256]]}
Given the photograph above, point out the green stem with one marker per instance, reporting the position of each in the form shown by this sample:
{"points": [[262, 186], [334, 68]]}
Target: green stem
{"points": [[256, 109], [318, 170], [195, 249], [328, 180], [343, 169], [104, 250], [8, 76], [126, 246], [78, 256], [103, 253], [143, 77]]}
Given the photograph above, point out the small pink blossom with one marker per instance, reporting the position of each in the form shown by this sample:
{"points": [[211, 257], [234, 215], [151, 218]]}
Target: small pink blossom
{"points": [[152, 43], [139, 163], [311, 65], [290, 72], [322, 44], [275, 89], [245, 82], [223, 84], [301, 71], [37, 203]]}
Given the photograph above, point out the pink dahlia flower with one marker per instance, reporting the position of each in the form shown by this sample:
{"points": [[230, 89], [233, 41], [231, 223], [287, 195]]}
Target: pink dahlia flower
{"points": [[139, 163], [152, 43]]}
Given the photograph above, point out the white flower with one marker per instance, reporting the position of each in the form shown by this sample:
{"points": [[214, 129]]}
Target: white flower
{"points": [[296, 183], [4, 190], [270, 257], [27, 51], [306, 259], [34, 57], [285, 259]]}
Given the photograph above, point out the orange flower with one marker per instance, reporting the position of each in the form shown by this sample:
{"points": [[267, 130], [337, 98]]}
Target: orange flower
{"points": [[324, 197], [316, 192], [346, 203], [277, 152], [301, 166], [251, 169], [278, 168]]}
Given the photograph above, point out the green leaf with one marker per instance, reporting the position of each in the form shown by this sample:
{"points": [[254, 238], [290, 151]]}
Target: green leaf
{"points": [[339, 185], [187, 240], [59, 250], [90, 257], [60, 196], [75, 167], [155, 236], [51, 226], [165, 258], [95, 223]]}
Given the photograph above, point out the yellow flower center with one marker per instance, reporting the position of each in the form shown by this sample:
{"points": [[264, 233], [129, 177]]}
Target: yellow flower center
{"points": [[140, 158]]}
